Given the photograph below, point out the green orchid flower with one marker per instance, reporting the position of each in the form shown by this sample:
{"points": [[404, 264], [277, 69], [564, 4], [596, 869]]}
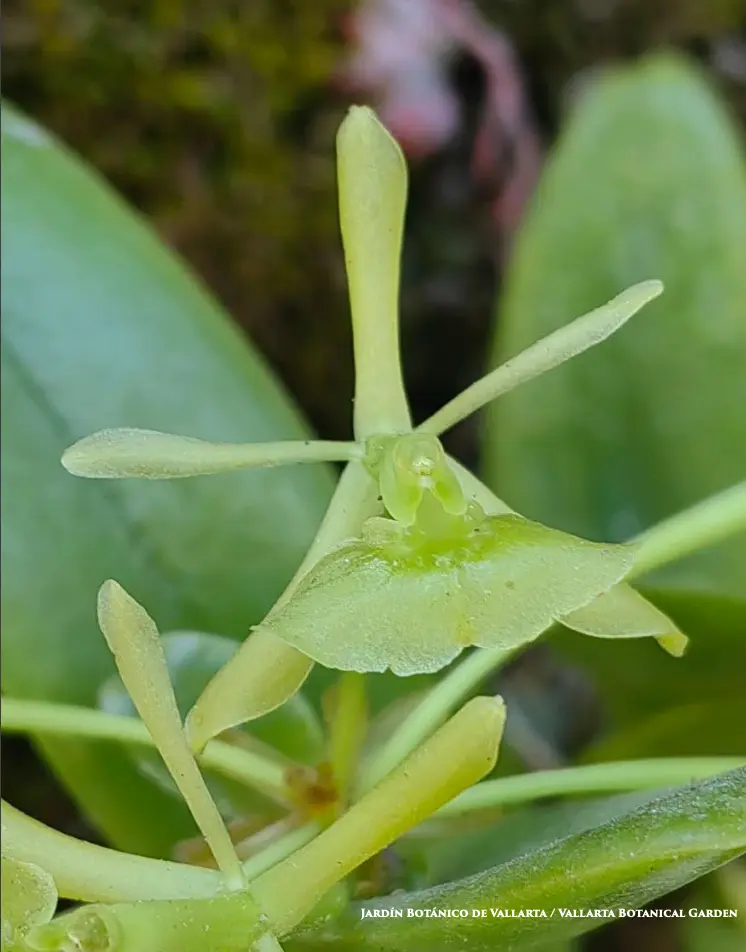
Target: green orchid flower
{"points": [[416, 559]]}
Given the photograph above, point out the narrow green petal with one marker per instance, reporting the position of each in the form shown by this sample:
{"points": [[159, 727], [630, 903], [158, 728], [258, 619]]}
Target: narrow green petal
{"points": [[549, 352], [261, 676], [372, 177], [623, 613], [346, 710], [588, 779], [148, 454], [133, 639]]}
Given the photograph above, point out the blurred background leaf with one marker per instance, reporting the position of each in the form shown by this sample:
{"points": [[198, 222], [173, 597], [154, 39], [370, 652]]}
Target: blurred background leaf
{"points": [[102, 327], [648, 179]]}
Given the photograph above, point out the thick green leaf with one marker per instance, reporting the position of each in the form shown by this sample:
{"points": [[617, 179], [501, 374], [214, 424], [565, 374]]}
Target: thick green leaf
{"points": [[622, 863], [102, 328], [509, 834], [648, 180]]}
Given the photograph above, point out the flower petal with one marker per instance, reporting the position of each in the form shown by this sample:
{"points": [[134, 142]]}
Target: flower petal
{"points": [[260, 676], [623, 613], [545, 354], [372, 180], [148, 454], [133, 639], [413, 605]]}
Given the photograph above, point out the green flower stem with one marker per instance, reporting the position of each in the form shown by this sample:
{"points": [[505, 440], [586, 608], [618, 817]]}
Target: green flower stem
{"points": [[372, 177], [281, 848], [467, 744], [544, 355], [431, 712], [348, 721], [713, 520], [594, 778], [92, 873], [222, 924], [65, 720]]}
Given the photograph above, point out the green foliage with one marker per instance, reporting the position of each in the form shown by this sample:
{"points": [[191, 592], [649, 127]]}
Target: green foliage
{"points": [[622, 862], [413, 560], [648, 179], [101, 325]]}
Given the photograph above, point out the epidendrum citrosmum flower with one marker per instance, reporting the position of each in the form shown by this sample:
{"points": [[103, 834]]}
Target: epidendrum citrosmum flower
{"points": [[416, 559]]}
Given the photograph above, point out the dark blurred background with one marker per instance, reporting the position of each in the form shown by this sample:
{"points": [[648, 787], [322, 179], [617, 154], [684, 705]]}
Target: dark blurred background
{"points": [[216, 119]]}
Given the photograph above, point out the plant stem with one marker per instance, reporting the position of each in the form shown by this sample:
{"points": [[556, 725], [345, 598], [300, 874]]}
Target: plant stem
{"points": [[707, 522], [461, 752], [65, 720], [431, 712], [93, 873], [283, 847], [545, 354], [221, 924], [347, 724], [594, 778]]}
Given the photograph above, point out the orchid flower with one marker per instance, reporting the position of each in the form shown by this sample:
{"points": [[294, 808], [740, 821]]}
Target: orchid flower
{"points": [[416, 559]]}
